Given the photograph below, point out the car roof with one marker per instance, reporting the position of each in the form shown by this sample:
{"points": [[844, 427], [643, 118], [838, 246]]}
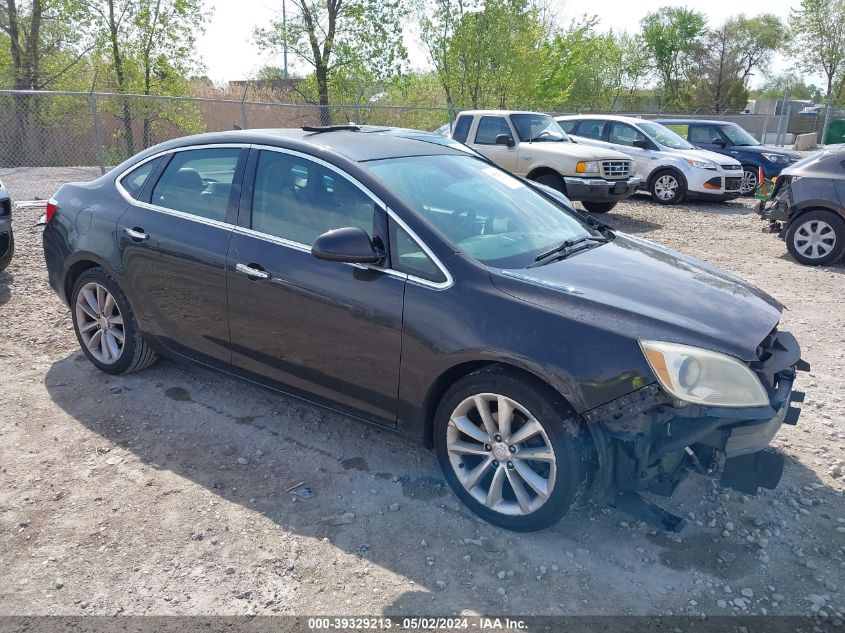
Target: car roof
{"points": [[693, 121], [499, 112], [603, 117], [356, 143]]}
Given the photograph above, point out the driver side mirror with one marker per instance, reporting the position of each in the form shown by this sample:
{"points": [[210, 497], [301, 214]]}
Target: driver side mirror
{"points": [[641, 143], [350, 245], [719, 141], [505, 139]]}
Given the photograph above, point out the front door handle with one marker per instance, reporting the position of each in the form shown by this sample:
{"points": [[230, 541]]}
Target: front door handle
{"points": [[137, 234], [252, 271]]}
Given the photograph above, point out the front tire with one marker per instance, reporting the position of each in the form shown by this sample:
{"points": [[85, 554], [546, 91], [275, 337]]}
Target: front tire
{"points": [[750, 180], [816, 238], [667, 187], [6, 258], [555, 181], [105, 325], [512, 450], [598, 207]]}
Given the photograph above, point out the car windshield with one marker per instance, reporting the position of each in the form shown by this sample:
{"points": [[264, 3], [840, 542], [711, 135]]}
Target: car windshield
{"points": [[483, 211], [663, 135], [738, 136], [538, 127]]}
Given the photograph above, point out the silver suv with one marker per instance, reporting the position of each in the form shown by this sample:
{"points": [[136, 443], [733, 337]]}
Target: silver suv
{"points": [[670, 167]]}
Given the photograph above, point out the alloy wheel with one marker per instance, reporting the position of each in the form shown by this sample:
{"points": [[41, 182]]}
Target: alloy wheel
{"points": [[666, 187], [749, 182], [100, 323], [501, 454], [814, 239]]}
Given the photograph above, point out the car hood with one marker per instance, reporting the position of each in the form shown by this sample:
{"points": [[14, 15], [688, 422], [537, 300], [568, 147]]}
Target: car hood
{"points": [[702, 154], [766, 149], [645, 291], [578, 151]]}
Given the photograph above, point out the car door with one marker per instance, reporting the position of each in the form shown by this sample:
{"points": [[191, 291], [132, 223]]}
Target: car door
{"points": [[488, 129], [304, 325], [703, 135], [622, 136], [173, 243]]}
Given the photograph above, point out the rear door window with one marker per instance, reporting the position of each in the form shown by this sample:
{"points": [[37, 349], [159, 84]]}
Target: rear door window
{"points": [[703, 134], [568, 125], [198, 182], [133, 182], [591, 128]]}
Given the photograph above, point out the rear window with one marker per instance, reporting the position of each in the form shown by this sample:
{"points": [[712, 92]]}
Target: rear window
{"points": [[461, 130], [134, 181]]}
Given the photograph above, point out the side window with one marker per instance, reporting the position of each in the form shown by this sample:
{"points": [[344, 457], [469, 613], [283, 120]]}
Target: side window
{"points": [[489, 127], [461, 130], [679, 129], [703, 134], [406, 256], [134, 181], [568, 125], [198, 182], [591, 128], [624, 134], [299, 200]]}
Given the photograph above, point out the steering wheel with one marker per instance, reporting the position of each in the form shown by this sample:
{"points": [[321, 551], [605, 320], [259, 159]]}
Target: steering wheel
{"points": [[465, 221]]}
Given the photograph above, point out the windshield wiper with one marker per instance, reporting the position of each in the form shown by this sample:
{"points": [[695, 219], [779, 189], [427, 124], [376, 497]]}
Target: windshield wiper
{"points": [[568, 247]]}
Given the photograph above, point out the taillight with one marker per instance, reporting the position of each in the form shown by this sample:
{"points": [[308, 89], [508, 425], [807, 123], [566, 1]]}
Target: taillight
{"points": [[52, 207]]}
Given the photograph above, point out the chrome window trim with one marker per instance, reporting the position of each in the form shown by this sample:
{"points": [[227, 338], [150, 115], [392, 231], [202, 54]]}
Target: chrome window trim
{"points": [[442, 285], [437, 285]]}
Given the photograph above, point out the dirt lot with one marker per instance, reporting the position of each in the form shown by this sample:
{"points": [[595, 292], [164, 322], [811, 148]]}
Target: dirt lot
{"points": [[164, 492]]}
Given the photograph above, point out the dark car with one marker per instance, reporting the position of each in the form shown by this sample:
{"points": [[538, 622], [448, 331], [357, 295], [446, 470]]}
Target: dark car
{"points": [[415, 286], [731, 140], [7, 239], [807, 207]]}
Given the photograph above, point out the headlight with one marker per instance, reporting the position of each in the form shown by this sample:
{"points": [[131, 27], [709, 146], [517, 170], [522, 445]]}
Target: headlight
{"points": [[704, 377], [701, 164], [587, 167], [776, 158]]}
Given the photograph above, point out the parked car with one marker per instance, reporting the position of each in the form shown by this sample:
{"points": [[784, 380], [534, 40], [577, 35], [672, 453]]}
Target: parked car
{"points": [[533, 145], [807, 207], [410, 284], [444, 129], [725, 137], [7, 239], [671, 169]]}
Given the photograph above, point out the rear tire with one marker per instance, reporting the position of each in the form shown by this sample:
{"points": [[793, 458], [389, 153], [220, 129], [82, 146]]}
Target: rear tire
{"points": [[816, 238], [750, 180], [485, 469], [6, 258], [667, 187], [105, 325], [598, 207]]}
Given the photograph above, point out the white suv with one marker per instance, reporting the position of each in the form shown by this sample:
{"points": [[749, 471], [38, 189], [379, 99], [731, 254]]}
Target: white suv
{"points": [[532, 145], [671, 169]]}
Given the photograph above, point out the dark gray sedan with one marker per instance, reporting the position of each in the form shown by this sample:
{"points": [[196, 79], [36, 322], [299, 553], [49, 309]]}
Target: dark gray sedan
{"points": [[407, 282]]}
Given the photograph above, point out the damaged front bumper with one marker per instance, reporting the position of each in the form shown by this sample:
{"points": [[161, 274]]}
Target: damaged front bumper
{"points": [[648, 441]]}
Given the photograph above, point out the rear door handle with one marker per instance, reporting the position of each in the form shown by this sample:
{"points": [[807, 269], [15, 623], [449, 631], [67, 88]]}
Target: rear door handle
{"points": [[137, 234], [252, 270]]}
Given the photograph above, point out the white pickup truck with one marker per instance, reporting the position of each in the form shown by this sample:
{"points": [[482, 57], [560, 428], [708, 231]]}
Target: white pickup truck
{"points": [[533, 145]]}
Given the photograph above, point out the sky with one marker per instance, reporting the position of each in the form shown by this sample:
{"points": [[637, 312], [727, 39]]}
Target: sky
{"points": [[228, 51]]}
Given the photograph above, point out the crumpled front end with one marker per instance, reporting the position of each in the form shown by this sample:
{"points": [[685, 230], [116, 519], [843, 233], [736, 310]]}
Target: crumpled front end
{"points": [[650, 441]]}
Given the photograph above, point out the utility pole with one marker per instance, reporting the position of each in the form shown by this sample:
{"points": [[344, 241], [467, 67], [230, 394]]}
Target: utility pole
{"points": [[285, 29]]}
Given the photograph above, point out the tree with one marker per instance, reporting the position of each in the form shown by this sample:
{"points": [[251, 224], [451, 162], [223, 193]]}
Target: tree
{"points": [[818, 30], [728, 58], [334, 35], [673, 38], [146, 47]]}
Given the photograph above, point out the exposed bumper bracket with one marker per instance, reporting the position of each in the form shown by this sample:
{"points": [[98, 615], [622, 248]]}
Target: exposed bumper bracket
{"points": [[747, 473], [655, 516]]}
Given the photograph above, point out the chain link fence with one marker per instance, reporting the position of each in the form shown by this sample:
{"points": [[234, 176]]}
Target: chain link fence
{"points": [[47, 138]]}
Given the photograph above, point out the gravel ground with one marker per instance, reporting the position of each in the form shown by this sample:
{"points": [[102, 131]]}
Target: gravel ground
{"points": [[166, 492]]}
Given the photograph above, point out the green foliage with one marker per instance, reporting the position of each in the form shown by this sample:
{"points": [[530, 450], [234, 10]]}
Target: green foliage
{"points": [[674, 38], [818, 42]]}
